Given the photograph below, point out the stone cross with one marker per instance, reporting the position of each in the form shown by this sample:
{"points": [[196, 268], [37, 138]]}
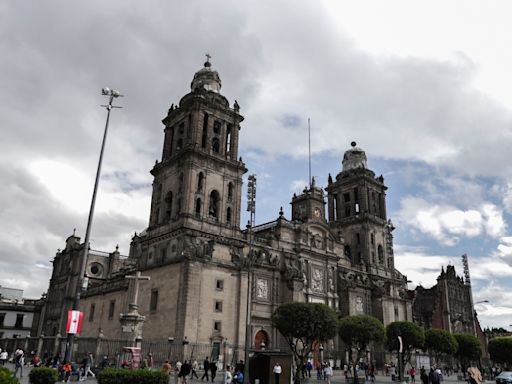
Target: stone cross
{"points": [[138, 276], [208, 57]]}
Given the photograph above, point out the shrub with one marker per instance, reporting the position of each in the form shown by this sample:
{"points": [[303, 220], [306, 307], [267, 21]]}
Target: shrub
{"points": [[6, 377], [43, 375], [129, 376]]}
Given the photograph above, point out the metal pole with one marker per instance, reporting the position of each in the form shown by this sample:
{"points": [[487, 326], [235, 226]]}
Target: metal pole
{"points": [[76, 303]]}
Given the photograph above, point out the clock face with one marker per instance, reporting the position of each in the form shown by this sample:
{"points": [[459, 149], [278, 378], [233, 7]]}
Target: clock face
{"points": [[317, 213]]}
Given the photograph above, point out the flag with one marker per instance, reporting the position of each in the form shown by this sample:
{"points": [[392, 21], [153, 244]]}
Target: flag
{"points": [[74, 322]]}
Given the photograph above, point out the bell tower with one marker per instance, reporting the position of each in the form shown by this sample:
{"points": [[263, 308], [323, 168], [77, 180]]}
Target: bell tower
{"points": [[198, 182], [357, 208]]}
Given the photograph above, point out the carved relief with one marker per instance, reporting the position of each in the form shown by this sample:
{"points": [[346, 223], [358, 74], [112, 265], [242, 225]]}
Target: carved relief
{"points": [[317, 280], [262, 289], [359, 304]]}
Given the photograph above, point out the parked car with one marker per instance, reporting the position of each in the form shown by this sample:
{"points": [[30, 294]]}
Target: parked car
{"points": [[504, 377]]}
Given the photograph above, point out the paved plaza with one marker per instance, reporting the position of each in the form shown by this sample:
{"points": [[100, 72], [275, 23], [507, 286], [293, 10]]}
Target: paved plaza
{"points": [[337, 378]]}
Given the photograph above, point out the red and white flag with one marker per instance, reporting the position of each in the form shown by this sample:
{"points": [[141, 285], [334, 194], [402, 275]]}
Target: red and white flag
{"points": [[74, 322]]}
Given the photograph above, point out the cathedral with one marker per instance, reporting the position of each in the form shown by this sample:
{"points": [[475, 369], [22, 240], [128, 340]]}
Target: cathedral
{"points": [[213, 282]]}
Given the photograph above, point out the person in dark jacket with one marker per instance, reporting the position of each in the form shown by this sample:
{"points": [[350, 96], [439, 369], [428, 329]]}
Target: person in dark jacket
{"points": [[206, 367], [184, 372], [213, 369]]}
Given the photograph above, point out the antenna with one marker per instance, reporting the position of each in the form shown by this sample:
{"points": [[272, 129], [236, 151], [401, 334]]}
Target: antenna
{"points": [[309, 148]]}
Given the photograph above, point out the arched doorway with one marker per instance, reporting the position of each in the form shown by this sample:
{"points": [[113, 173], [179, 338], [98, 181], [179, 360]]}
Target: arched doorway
{"points": [[261, 339]]}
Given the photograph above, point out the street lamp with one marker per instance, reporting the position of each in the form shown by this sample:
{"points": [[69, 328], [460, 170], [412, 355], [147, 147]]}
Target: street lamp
{"points": [[170, 340], [111, 94]]}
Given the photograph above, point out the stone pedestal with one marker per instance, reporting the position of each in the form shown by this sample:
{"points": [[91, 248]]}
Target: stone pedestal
{"points": [[131, 323]]}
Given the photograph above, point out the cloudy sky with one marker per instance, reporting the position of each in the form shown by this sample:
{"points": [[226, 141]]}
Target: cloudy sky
{"points": [[424, 88]]}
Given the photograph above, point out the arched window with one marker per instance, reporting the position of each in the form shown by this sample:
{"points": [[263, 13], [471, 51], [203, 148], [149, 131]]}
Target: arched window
{"points": [[159, 192], [198, 207], [215, 145], [213, 204], [380, 253], [372, 239], [348, 252], [168, 205], [205, 131], [200, 181], [179, 144], [231, 190], [178, 206], [228, 215], [181, 178], [228, 140], [261, 340]]}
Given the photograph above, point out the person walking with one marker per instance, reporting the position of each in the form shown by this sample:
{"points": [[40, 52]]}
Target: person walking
{"points": [[3, 357], [19, 361], [177, 370], [277, 372], [412, 373], [193, 370], [206, 367], [228, 377], [89, 363], [328, 373], [433, 377], [309, 367], [213, 370], [184, 371]]}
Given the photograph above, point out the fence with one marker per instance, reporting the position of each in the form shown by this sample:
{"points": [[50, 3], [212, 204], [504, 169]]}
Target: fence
{"points": [[49, 346]]}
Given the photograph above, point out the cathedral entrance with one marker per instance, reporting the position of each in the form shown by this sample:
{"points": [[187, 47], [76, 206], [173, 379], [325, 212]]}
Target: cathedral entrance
{"points": [[261, 339]]}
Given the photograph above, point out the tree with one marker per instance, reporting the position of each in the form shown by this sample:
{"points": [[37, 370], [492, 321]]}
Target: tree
{"points": [[469, 349], [412, 336], [439, 341], [500, 349], [303, 324], [357, 332]]}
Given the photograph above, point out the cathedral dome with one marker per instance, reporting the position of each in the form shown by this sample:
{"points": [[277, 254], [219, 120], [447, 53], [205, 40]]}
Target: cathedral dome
{"points": [[354, 158], [206, 78]]}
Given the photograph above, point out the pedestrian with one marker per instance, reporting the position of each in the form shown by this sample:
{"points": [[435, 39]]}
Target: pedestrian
{"points": [[423, 375], [433, 377], [309, 367], [412, 373], [328, 373], [89, 363], [184, 371], [213, 370], [206, 367], [19, 361], [475, 377], [167, 368], [150, 361], [228, 377], [3, 357], [277, 372], [66, 371], [193, 369], [177, 370], [238, 378]]}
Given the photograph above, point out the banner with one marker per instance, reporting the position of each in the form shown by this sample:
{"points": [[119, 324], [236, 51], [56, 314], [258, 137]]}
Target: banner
{"points": [[74, 324]]}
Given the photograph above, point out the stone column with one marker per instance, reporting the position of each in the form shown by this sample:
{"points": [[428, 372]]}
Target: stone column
{"points": [[40, 344]]}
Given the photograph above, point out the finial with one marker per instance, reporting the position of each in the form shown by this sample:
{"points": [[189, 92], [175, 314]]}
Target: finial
{"points": [[74, 231], [353, 144], [281, 213], [117, 248], [207, 63]]}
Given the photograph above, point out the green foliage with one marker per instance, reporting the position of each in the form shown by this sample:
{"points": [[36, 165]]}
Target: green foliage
{"points": [[6, 377], [306, 321], [469, 349], [303, 324], [358, 331], [412, 335], [43, 375], [129, 376], [440, 341], [500, 349]]}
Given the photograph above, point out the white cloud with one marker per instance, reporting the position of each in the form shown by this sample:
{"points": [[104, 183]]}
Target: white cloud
{"points": [[448, 224], [507, 197], [298, 185]]}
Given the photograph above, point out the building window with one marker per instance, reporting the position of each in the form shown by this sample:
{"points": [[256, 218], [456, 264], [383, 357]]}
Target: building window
{"points": [[2, 319], [200, 181], [163, 254], [181, 128], [380, 254], [198, 207], [205, 131], [346, 197], [228, 215], [219, 285], [91, 312], [217, 326], [213, 206], [228, 140], [19, 320], [153, 303], [358, 237], [218, 306], [216, 127], [111, 309], [216, 145], [168, 206], [396, 312], [231, 189]]}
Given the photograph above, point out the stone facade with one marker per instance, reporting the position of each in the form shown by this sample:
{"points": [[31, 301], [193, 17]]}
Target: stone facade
{"points": [[203, 267]]}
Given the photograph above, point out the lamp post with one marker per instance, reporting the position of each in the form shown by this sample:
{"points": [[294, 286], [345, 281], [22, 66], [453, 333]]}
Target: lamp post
{"points": [[251, 207], [170, 340], [111, 94]]}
